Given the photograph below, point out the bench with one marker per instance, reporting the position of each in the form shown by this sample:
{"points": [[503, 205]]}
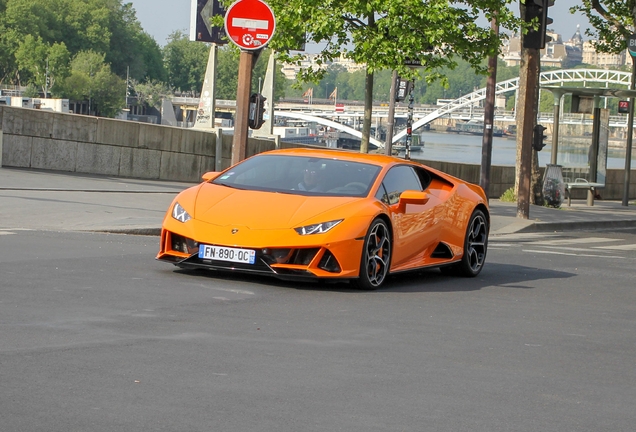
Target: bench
{"points": [[581, 183]]}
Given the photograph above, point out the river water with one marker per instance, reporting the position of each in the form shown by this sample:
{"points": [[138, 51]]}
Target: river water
{"points": [[450, 147]]}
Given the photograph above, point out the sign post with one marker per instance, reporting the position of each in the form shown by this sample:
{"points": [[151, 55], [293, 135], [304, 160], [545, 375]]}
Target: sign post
{"points": [[249, 24], [631, 47]]}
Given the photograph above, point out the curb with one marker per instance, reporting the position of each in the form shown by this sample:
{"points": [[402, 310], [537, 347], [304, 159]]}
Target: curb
{"points": [[577, 226], [155, 232]]}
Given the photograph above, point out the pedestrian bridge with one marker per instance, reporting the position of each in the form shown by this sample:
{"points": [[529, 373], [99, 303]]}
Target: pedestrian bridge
{"points": [[324, 114], [584, 76]]}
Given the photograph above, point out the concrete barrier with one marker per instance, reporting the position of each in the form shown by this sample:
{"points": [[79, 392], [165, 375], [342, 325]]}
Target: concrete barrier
{"points": [[77, 143], [69, 142]]}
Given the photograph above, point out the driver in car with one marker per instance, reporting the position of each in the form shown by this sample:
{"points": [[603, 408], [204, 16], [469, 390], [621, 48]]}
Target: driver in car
{"points": [[313, 178]]}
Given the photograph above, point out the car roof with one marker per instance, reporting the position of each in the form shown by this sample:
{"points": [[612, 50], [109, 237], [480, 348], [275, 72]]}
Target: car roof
{"points": [[371, 158]]}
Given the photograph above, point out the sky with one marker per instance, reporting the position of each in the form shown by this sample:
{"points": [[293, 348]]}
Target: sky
{"points": [[161, 17]]}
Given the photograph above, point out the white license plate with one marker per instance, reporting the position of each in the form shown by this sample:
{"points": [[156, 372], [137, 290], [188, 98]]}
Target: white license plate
{"points": [[221, 253]]}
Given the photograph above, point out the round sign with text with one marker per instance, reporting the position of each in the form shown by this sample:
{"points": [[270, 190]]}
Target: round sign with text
{"points": [[250, 24], [631, 45]]}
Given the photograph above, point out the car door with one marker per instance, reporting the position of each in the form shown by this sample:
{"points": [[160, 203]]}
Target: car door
{"points": [[413, 224]]}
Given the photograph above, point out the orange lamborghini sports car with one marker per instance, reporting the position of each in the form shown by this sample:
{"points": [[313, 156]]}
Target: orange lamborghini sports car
{"points": [[304, 213]]}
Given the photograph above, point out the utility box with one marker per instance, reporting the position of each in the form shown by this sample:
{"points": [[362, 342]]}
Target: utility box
{"points": [[57, 105], [22, 102]]}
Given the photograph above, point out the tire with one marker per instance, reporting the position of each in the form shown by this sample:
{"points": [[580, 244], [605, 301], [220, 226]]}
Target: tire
{"points": [[376, 256], [475, 246]]}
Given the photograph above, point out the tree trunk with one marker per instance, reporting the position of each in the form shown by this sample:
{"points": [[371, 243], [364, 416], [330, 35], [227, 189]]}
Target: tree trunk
{"points": [[368, 111], [520, 113], [368, 101]]}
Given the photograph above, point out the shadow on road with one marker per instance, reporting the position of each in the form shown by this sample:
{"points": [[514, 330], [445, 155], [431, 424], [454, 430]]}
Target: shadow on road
{"points": [[431, 280]]}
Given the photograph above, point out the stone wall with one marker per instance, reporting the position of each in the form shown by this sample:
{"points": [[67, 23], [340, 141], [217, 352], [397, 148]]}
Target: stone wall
{"points": [[95, 145], [69, 142]]}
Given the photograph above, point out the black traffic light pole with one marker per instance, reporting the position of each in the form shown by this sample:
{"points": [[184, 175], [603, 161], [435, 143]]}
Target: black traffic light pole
{"points": [[537, 9], [257, 111]]}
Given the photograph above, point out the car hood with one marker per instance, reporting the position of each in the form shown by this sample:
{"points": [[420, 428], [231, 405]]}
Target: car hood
{"points": [[224, 206]]}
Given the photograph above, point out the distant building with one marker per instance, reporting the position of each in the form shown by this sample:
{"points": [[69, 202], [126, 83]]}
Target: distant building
{"points": [[349, 64], [600, 59], [556, 53], [290, 70], [567, 54]]}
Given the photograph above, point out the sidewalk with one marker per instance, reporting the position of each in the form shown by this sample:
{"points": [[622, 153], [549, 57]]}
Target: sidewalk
{"points": [[49, 200]]}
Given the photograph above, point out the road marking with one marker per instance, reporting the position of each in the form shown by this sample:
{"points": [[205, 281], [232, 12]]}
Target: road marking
{"points": [[625, 247], [594, 249], [6, 232], [570, 254], [523, 236], [559, 242]]}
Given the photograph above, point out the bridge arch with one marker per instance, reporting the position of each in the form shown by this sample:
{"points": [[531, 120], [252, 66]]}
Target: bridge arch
{"points": [[546, 78], [326, 122]]}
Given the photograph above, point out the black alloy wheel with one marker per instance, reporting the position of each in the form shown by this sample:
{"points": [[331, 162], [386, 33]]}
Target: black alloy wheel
{"points": [[376, 256], [475, 245]]}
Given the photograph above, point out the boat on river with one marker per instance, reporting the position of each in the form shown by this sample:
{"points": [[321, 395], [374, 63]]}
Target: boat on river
{"points": [[474, 127]]}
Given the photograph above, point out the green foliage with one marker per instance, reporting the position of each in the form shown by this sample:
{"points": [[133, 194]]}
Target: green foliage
{"points": [[508, 196], [546, 101], [31, 91], [150, 93], [612, 23], [383, 34], [38, 61], [227, 76], [91, 79], [107, 27], [185, 62]]}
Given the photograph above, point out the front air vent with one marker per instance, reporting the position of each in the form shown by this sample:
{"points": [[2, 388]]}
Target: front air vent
{"points": [[329, 263]]}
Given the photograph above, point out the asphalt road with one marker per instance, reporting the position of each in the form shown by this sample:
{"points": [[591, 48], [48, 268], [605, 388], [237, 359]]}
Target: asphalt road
{"points": [[97, 336]]}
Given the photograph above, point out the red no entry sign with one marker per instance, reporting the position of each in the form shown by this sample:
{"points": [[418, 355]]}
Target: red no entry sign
{"points": [[250, 24]]}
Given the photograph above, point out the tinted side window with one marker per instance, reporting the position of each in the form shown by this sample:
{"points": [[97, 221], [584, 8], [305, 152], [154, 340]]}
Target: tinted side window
{"points": [[396, 181], [425, 177]]}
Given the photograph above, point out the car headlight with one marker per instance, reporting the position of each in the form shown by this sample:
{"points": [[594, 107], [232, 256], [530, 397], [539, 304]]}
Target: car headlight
{"points": [[319, 228], [180, 214]]}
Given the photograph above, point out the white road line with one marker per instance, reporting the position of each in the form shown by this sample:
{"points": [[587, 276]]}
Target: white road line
{"points": [[571, 254], [624, 247], [572, 248], [558, 242]]}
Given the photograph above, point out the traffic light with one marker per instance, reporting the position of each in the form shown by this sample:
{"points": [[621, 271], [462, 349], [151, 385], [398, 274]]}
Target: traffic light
{"points": [[257, 111], [538, 137], [537, 9], [402, 89]]}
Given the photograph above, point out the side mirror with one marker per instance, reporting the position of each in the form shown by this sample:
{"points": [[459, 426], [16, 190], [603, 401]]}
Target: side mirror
{"points": [[210, 175], [412, 197]]}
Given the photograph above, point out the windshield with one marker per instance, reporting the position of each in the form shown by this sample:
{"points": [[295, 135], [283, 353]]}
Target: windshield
{"points": [[301, 175]]}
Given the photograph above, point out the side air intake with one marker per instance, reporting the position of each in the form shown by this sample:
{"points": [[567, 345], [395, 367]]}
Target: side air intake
{"points": [[442, 251]]}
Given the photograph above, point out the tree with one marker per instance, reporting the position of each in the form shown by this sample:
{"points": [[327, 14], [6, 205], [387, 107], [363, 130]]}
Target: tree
{"points": [[91, 79], [7, 60], [384, 34], [150, 93], [102, 26], [185, 62], [45, 64]]}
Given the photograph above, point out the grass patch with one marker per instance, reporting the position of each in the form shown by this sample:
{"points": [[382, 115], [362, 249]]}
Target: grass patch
{"points": [[508, 196]]}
